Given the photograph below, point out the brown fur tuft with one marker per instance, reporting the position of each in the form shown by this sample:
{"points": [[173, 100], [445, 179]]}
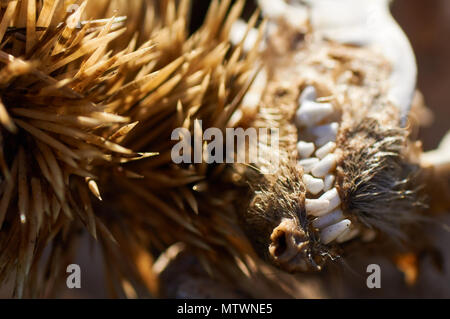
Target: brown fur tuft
{"points": [[377, 183], [277, 212]]}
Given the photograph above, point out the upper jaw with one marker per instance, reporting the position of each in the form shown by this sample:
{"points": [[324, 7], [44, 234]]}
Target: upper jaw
{"points": [[366, 23]]}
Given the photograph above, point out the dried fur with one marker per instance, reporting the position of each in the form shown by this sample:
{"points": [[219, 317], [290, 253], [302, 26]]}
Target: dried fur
{"points": [[377, 180], [279, 198], [272, 201], [378, 185]]}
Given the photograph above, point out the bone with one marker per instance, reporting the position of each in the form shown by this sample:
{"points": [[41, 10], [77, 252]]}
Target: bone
{"points": [[308, 164], [305, 149], [332, 232], [313, 185], [317, 207], [329, 182], [333, 197], [325, 166], [325, 150], [348, 235], [325, 133], [312, 113], [328, 219]]}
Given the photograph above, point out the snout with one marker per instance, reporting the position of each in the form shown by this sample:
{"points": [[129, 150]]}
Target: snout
{"points": [[290, 248]]}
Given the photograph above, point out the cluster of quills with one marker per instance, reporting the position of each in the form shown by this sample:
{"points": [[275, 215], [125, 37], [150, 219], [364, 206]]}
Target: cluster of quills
{"points": [[318, 157]]}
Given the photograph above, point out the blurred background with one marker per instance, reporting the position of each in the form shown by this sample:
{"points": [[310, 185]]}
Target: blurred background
{"points": [[427, 24]]}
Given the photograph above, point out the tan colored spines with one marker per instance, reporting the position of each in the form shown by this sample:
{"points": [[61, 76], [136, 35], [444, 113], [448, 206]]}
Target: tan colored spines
{"points": [[197, 77], [58, 129]]}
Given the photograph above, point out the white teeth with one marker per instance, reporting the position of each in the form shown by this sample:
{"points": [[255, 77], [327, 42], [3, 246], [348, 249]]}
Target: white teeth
{"points": [[311, 113], [325, 166], [332, 232], [308, 164], [328, 219], [333, 197], [329, 182], [318, 176], [305, 150], [325, 150], [308, 94], [316, 207], [325, 133], [313, 185], [348, 235]]}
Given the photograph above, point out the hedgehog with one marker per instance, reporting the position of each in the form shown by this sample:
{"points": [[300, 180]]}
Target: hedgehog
{"points": [[74, 87], [88, 109]]}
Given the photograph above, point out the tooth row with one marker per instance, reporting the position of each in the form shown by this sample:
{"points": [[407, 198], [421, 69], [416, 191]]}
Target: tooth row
{"points": [[318, 158]]}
